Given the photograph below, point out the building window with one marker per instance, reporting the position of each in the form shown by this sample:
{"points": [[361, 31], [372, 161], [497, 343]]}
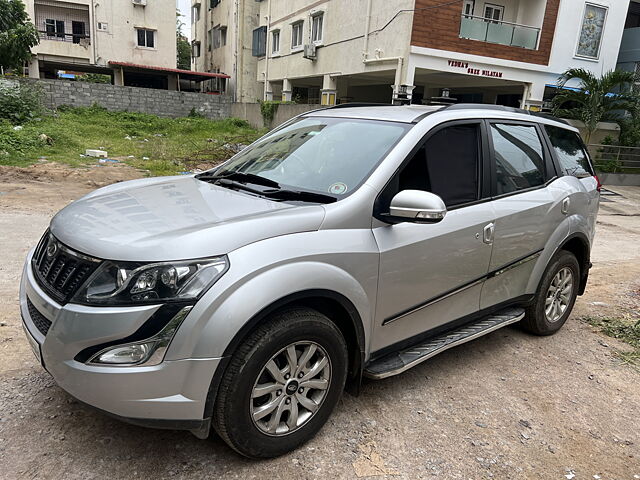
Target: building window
{"points": [[219, 37], [214, 3], [316, 28], [296, 35], [493, 12], [259, 46], [275, 42], [591, 31], [195, 49], [195, 13], [54, 28], [146, 38], [467, 7]]}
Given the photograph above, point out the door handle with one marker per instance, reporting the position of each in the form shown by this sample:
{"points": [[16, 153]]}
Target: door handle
{"points": [[487, 236], [565, 205]]}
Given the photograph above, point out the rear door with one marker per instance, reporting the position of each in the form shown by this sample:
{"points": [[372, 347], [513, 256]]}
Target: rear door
{"points": [[527, 206]]}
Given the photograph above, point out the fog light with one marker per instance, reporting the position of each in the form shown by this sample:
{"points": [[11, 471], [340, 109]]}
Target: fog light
{"points": [[125, 354], [146, 352]]}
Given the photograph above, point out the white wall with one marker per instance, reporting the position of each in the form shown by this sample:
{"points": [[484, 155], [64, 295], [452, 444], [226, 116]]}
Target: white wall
{"points": [[342, 20], [119, 43]]}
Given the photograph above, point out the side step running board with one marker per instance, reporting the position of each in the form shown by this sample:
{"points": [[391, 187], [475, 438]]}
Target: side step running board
{"points": [[403, 360]]}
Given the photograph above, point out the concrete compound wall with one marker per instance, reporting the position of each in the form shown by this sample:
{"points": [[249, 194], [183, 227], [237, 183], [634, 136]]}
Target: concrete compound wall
{"points": [[163, 103], [251, 113]]}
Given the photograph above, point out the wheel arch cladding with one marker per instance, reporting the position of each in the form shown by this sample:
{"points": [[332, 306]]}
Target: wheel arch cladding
{"points": [[335, 306], [578, 244]]}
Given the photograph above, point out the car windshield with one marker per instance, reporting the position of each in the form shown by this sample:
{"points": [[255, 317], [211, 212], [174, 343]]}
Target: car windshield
{"points": [[327, 155]]}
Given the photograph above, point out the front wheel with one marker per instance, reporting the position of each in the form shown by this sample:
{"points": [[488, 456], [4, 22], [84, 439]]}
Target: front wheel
{"points": [[555, 297], [281, 384]]}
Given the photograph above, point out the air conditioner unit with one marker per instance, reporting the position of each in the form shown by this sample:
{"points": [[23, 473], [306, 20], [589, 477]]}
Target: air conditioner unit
{"points": [[309, 51], [142, 3]]}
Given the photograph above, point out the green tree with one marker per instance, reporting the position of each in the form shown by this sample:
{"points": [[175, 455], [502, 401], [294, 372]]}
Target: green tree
{"points": [[17, 34], [600, 99], [183, 47]]}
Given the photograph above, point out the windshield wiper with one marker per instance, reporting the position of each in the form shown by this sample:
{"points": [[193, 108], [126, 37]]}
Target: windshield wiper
{"points": [[239, 177], [301, 195], [279, 193]]}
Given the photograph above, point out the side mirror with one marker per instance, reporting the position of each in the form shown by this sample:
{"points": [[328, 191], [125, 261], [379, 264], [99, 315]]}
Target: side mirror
{"points": [[418, 206]]}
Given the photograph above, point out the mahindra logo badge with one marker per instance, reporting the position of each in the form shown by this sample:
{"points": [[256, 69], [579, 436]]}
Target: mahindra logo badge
{"points": [[52, 249]]}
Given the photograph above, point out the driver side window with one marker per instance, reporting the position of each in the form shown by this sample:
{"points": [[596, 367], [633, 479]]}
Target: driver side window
{"points": [[447, 164]]}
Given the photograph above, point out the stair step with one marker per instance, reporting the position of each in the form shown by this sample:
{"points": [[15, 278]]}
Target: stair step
{"points": [[400, 361]]}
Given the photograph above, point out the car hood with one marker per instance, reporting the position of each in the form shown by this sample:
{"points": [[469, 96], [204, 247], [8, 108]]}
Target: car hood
{"points": [[175, 218]]}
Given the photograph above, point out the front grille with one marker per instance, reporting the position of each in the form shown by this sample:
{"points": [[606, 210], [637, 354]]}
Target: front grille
{"points": [[39, 320], [59, 270]]}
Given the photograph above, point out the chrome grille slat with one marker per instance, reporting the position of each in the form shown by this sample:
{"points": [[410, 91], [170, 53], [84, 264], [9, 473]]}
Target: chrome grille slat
{"points": [[60, 271]]}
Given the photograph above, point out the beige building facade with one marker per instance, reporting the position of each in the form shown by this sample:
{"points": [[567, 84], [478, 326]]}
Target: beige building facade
{"points": [[87, 35], [508, 52], [222, 36]]}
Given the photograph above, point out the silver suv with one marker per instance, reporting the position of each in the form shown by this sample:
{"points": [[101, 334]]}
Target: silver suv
{"points": [[349, 242]]}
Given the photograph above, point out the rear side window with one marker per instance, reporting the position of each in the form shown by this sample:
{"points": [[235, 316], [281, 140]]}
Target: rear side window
{"points": [[571, 155], [518, 156]]}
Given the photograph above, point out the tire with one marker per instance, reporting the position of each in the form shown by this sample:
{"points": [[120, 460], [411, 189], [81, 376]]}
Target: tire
{"points": [[537, 319], [307, 331]]}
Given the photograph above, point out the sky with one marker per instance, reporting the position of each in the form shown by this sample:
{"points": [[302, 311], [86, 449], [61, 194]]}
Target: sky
{"points": [[184, 7]]}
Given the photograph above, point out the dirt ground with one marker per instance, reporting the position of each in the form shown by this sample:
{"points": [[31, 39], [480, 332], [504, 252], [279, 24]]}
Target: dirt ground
{"points": [[506, 406]]}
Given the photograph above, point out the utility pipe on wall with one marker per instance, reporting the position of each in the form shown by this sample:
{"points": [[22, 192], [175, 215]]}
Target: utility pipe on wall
{"points": [[365, 54], [266, 53]]}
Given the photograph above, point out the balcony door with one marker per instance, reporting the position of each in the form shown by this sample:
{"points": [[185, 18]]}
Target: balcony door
{"points": [[493, 13]]}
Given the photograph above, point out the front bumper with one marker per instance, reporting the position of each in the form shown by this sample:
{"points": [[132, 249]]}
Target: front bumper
{"points": [[172, 394]]}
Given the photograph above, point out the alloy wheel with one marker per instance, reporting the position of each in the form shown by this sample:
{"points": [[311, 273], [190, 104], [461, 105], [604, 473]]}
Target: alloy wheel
{"points": [[290, 388], [559, 295]]}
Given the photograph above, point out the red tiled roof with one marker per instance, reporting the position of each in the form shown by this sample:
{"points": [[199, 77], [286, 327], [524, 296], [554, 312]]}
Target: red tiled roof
{"points": [[170, 70]]}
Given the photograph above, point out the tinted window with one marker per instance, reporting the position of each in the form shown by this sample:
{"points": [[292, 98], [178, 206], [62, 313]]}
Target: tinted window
{"points": [[519, 158], [571, 155], [446, 164], [452, 156]]}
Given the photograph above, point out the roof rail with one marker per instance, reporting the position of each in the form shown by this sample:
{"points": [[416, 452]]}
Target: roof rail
{"points": [[360, 104], [485, 106], [504, 108]]}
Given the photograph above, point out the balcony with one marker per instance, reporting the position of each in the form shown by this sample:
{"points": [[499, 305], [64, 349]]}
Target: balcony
{"points": [[61, 36], [499, 31]]}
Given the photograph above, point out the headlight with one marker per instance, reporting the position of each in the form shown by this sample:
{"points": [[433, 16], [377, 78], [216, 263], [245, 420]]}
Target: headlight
{"points": [[126, 283]]}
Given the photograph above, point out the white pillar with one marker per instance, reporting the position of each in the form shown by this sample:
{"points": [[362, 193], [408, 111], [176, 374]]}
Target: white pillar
{"points": [[287, 90], [268, 92], [329, 90], [533, 95], [118, 77], [34, 67]]}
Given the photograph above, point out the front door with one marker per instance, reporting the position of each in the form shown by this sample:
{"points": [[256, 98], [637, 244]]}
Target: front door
{"points": [[432, 274]]}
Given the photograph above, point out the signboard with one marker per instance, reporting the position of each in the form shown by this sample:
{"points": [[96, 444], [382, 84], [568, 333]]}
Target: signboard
{"points": [[471, 70]]}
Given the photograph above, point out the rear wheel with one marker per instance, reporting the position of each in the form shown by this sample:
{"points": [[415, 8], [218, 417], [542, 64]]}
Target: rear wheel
{"points": [[555, 297], [281, 384]]}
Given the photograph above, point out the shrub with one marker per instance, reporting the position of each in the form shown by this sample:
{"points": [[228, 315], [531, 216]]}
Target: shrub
{"points": [[20, 101]]}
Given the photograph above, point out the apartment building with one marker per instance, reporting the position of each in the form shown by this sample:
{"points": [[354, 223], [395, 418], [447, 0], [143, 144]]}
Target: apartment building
{"points": [[132, 40], [222, 35], [509, 52], [629, 56]]}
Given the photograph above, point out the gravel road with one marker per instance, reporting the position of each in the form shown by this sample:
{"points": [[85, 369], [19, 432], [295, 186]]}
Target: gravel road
{"points": [[507, 405]]}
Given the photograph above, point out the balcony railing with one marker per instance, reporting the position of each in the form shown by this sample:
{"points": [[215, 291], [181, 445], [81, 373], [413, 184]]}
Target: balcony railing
{"points": [[494, 31], [79, 38]]}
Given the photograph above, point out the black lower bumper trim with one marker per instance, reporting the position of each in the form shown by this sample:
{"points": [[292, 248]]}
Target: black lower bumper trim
{"points": [[195, 426]]}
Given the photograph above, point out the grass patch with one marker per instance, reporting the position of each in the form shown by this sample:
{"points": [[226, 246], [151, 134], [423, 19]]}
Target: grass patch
{"points": [[623, 329], [164, 146]]}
